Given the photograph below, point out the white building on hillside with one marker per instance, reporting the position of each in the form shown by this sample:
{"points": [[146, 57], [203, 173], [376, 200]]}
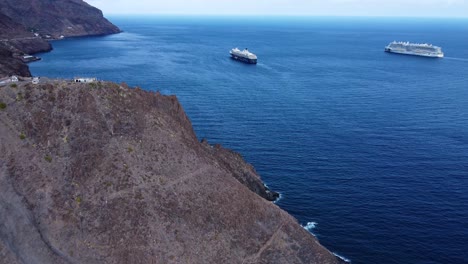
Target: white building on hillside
{"points": [[85, 80], [14, 78]]}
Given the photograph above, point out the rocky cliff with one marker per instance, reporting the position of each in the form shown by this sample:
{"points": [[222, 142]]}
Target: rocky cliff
{"points": [[25, 25], [11, 29], [58, 17], [101, 173], [10, 65]]}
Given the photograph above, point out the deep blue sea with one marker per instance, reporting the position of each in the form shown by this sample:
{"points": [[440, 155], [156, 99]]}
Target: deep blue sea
{"points": [[370, 148]]}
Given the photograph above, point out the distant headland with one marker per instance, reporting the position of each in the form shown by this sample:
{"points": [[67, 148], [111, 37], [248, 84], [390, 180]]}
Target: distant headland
{"points": [[27, 25]]}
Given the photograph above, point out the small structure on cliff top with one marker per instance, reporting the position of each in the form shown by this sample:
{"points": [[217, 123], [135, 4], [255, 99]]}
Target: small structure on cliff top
{"points": [[14, 78], [35, 80], [85, 80]]}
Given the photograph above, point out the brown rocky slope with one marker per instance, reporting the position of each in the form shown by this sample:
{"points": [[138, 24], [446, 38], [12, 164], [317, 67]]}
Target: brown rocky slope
{"points": [[100, 173]]}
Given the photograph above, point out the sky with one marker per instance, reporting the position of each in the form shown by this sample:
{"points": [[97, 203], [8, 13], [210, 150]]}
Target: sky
{"points": [[412, 8]]}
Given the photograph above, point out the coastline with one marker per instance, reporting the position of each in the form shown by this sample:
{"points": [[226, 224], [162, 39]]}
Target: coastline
{"points": [[134, 151], [315, 184], [32, 46], [255, 202], [251, 180]]}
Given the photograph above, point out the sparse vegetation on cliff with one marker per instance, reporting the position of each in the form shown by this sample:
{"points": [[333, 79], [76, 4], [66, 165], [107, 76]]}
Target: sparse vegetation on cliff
{"points": [[48, 158], [124, 190]]}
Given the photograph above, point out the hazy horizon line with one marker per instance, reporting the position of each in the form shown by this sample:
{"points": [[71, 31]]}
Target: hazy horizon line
{"points": [[282, 15]]}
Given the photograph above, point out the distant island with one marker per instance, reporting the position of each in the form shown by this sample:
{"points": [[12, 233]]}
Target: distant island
{"points": [[103, 173]]}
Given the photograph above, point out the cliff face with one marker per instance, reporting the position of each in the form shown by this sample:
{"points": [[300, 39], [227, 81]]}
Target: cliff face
{"points": [[10, 66], [12, 49], [11, 29], [58, 17], [100, 173], [24, 24]]}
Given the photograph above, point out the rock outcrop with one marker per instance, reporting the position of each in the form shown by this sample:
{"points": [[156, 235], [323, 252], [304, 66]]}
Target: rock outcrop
{"points": [[25, 25], [11, 51], [101, 173], [10, 65]]}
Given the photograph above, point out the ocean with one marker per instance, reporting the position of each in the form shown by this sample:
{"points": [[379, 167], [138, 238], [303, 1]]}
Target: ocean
{"points": [[369, 150]]}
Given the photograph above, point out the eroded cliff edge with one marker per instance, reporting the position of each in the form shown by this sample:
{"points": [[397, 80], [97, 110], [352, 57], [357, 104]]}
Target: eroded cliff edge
{"points": [[101, 173], [26, 25]]}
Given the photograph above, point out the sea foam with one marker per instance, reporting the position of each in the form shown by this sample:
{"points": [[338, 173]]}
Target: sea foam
{"points": [[310, 226], [342, 258], [279, 198]]}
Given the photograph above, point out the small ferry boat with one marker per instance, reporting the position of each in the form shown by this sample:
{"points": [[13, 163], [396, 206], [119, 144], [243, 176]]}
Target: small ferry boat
{"points": [[244, 56]]}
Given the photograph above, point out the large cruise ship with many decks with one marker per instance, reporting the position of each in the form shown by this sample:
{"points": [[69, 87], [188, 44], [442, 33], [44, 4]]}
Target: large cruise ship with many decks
{"points": [[425, 50]]}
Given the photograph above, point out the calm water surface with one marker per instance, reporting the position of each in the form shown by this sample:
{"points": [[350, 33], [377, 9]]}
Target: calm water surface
{"points": [[372, 147]]}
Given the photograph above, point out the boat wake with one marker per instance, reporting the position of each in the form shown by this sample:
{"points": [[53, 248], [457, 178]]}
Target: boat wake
{"points": [[456, 59], [264, 66]]}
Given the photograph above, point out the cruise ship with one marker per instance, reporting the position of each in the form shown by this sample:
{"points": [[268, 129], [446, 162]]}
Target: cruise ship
{"points": [[425, 50], [244, 56]]}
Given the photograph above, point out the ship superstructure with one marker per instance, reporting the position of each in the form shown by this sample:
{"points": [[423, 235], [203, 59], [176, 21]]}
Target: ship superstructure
{"points": [[425, 50], [244, 56]]}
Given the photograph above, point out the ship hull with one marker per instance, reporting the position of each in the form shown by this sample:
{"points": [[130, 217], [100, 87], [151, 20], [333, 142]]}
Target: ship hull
{"points": [[242, 59], [428, 55]]}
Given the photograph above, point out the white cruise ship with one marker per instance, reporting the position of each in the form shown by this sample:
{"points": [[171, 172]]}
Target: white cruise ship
{"points": [[244, 56], [425, 50]]}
